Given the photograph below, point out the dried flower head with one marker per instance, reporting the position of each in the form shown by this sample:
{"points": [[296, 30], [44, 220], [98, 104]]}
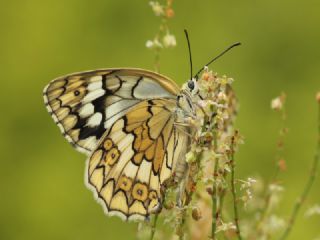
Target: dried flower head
{"points": [[169, 13], [157, 8], [226, 227], [163, 38], [207, 75], [314, 210], [196, 214], [278, 102], [155, 44], [169, 40], [149, 44], [282, 164]]}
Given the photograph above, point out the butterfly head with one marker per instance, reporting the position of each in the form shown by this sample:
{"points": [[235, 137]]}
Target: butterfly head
{"points": [[188, 95], [191, 86], [190, 89]]}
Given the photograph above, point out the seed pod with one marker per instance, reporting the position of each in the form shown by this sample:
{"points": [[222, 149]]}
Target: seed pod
{"points": [[169, 13], [196, 214], [209, 190]]}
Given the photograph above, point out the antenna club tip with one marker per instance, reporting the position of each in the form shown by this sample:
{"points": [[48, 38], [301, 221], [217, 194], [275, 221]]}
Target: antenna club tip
{"points": [[237, 44]]}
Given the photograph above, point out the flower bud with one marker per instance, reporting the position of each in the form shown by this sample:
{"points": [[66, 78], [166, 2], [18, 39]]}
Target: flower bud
{"points": [[169, 13], [169, 40], [168, 205], [205, 76], [209, 190], [276, 104], [157, 8], [282, 165]]}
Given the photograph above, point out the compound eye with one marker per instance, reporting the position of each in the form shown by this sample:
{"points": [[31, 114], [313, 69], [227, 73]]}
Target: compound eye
{"points": [[191, 85]]}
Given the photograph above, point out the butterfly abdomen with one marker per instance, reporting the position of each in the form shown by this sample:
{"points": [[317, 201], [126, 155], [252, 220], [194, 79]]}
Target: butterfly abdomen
{"points": [[181, 170]]}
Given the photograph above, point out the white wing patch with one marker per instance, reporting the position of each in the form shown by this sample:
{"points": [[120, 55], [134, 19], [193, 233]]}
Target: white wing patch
{"points": [[94, 120], [84, 105], [86, 110]]}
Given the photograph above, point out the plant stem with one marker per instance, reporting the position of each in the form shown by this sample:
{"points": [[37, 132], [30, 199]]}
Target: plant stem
{"points": [[157, 61], [214, 204], [214, 191], [278, 156], [308, 185], [222, 194], [233, 189], [154, 226], [220, 201], [183, 220]]}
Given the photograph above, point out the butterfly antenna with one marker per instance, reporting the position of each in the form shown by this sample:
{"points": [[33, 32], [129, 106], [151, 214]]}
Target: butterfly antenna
{"points": [[189, 48], [215, 58]]}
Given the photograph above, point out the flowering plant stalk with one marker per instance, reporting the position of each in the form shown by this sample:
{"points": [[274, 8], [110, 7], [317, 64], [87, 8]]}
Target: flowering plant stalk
{"points": [[216, 204], [210, 160], [309, 183], [163, 38]]}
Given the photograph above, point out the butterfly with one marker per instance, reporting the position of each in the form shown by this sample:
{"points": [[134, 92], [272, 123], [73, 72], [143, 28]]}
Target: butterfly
{"points": [[130, 122], [134, 126]]}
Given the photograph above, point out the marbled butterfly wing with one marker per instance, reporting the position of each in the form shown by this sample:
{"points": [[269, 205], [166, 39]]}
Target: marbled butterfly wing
{"points": [[135, 157], [84, 105]]}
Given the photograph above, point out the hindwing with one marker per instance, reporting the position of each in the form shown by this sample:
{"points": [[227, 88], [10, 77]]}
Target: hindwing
{"points": [[128, 169], [84, 105]]}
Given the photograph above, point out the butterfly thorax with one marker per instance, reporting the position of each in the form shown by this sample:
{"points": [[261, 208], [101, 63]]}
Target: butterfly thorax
{"points": [[186, 108]]}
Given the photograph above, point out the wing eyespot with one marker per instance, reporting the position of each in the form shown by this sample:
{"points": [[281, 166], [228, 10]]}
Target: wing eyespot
{"points": [[140, 192], [108, 144], [125, 183], [112, 156]]}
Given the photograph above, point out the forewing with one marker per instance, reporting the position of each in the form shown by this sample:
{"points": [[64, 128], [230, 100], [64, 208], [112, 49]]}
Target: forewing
{"points": [[133, 160], [84, 105]]}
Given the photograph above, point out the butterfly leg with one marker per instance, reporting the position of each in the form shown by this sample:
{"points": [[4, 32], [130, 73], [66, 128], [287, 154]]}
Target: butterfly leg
{"points": [[182, 128]]}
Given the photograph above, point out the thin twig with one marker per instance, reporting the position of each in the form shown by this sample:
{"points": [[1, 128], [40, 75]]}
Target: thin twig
{"points": [[233, 189], [308, 185]]}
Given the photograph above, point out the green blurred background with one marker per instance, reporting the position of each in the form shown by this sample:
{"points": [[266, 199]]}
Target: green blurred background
{"points": [[43, 195]]}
